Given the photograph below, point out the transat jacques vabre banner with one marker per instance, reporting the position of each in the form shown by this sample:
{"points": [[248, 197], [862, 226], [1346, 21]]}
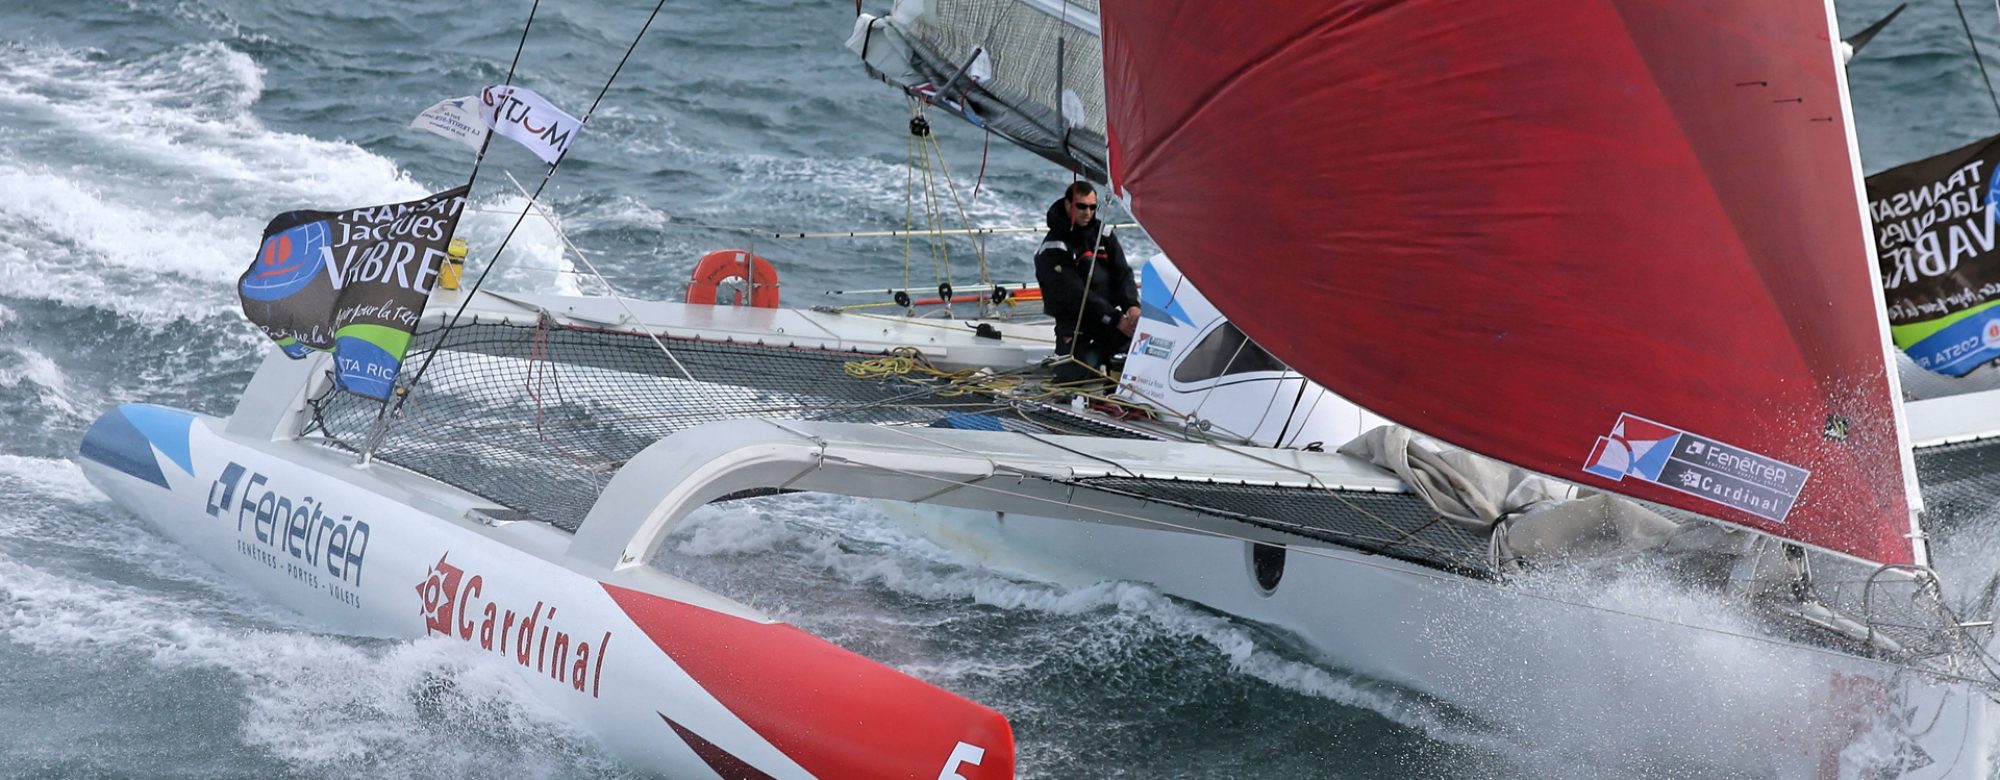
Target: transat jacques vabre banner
{"points": [[353, 282], [1934, 236]]}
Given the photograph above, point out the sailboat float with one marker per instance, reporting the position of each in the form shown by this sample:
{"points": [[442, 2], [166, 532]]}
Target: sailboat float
{"points": [[1618, 249]]}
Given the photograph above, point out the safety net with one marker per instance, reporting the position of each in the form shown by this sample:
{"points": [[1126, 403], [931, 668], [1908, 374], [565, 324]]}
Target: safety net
{"points": [[539, 417]]}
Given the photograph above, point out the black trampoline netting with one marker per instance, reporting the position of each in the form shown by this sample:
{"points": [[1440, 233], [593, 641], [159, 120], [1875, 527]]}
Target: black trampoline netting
{"points": [[538, 418]]}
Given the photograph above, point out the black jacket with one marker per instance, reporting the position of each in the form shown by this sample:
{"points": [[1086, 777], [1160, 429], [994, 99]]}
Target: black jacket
{"points": [[1060, 266]]}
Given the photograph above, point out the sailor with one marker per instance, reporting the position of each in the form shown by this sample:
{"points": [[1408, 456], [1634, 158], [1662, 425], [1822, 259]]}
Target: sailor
{"points": [[1086, 286]]}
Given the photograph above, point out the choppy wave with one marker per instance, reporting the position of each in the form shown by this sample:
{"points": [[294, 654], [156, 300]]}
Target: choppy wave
{"points": [[1106, 625], [143, 147], [305, 701], [144, 184]]}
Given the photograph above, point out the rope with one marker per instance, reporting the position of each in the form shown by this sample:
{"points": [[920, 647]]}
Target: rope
{"points": [[933, 219], [987, 147], [761, 232], [926, 156], [917, 159], [909, 202], [951, 327], [765, 232], [908, 364], [979, 247]]}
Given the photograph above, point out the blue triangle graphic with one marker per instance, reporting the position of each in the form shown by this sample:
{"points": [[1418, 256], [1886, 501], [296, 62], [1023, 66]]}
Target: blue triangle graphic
{"points": [[1156, 301], [166, 428]]}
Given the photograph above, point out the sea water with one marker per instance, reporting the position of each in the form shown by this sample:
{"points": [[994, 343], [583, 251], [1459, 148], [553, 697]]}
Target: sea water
{"points": [[145, 143]]}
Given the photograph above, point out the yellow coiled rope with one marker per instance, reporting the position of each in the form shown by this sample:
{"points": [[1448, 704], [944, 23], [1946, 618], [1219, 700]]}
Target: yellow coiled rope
{"points": [[908, 364]]}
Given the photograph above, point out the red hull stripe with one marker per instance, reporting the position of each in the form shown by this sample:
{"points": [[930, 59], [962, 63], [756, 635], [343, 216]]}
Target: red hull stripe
{"points": [[835, 713]]}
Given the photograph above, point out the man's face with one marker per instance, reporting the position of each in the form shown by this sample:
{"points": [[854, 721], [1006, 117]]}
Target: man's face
{"points": [[1082, 209]]}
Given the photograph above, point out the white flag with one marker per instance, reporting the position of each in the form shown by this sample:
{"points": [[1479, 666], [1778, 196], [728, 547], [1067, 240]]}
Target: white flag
{"points": [[524, 116], [455, 119]]}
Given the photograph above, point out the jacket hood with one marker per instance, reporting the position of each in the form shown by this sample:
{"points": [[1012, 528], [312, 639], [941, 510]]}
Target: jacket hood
{"points": [[1059, 218]]}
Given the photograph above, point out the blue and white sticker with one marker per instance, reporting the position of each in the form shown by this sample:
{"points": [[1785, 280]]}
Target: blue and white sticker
{"points": [[1698, 466]]}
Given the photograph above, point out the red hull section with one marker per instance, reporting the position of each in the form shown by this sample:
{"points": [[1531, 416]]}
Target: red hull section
{"points": [[1512, 227], [835, 713]]}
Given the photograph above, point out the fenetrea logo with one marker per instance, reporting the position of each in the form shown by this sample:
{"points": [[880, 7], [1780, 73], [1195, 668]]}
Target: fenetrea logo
{"points": [[1698, 466]]}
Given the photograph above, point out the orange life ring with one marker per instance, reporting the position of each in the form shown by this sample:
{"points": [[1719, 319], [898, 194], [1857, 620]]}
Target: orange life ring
{"points": [[723, 265]]}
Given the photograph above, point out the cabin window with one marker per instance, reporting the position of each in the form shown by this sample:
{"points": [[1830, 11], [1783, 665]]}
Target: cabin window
{"points": [[1222, 352]]}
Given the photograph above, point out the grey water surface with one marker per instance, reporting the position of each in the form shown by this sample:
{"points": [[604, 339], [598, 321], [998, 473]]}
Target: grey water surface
{"points": [[144, 144]]}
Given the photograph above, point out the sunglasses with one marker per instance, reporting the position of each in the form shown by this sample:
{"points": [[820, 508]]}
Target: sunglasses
{"points": [[1084, 206]]}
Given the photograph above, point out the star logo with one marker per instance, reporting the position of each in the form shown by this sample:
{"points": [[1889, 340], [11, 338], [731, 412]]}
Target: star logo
{"points": [[438, 592]]}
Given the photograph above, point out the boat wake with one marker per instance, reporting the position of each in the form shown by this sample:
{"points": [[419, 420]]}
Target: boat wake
{"points": [[106, 620], [162, 165], [1125, 652], [1688, 694]]}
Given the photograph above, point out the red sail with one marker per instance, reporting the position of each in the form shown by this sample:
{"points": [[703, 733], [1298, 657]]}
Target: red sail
{"points": [[1615, 241]]}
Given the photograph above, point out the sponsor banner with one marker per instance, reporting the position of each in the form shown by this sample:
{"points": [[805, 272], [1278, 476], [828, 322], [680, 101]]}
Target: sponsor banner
{"points": [[456, 119], [353, 282], [455, 605], [1698, 466], [529, 119], [1934, 233]]}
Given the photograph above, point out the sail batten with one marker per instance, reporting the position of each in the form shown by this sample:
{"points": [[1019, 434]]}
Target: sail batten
{"points": [[1619, 242]]}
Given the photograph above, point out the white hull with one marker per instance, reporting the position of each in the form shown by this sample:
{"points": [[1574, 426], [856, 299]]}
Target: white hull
{"points": [[1604, 685], [671, 678]]}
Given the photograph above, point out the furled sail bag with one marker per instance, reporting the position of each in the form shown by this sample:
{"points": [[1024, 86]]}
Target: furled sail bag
{"points": [[351, 282], [1934, 236]]}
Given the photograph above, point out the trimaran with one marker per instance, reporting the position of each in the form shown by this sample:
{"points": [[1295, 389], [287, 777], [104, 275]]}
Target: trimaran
{"points": [[1635, 228]]}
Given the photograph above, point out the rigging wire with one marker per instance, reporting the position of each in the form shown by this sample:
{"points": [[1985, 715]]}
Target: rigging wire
{"points": [[759, 232], [978, 247], [1976, 56], [925, 157], [612, 291], [403, 390], [487, 142], [382, 414]]}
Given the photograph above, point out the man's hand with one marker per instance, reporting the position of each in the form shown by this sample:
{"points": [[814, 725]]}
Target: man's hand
{"points": [[1129, 322]]}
